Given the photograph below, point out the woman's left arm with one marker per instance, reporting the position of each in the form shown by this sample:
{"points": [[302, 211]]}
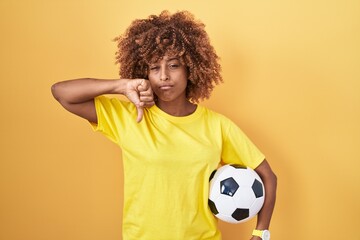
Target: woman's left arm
{"points": [[270, 183]]}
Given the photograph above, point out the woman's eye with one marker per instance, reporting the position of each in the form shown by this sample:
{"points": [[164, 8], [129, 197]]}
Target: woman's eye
{"points": [[154, 68], [174, 65]]}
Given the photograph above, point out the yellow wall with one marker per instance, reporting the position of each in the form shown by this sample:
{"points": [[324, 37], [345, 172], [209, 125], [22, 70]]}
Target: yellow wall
{"points": [[292, 83]]}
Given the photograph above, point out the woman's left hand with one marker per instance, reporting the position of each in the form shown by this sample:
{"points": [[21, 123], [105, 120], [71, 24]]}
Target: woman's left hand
{"points": [[255, 238]]}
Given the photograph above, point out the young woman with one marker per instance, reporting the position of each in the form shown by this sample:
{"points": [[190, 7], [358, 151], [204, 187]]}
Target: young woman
{"points": [[170, 144]]}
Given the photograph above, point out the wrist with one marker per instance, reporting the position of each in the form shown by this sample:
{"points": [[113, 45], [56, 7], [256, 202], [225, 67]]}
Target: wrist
{"points": [[263, 234], [120, 86]]}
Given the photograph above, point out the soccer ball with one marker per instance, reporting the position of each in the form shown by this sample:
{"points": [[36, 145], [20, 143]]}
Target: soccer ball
{"points": [[236, 193]]}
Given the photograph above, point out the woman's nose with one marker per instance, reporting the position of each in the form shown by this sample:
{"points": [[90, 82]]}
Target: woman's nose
{"points": [[164, 75]]}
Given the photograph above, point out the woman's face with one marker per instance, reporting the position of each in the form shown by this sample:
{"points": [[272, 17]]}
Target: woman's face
{"points": [[168, 79]]}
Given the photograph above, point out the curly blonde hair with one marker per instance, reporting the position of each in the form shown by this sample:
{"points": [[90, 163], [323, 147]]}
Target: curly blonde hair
{"points": [[179, 35]]}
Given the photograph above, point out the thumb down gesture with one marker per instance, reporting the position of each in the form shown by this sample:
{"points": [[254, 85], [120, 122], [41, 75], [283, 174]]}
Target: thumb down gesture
{"points": [[139, 92]]}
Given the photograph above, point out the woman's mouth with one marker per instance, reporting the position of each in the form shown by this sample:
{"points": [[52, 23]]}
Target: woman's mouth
{"points": [[165, 87]]}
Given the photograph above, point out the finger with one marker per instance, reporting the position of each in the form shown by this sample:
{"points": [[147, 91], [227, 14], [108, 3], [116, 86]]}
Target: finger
{"points": [[148, 90], [146, 98], [145, 93], [142, 86], [149, 104], [140, 114]]}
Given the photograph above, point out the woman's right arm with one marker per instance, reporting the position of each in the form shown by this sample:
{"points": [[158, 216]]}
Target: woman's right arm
{"points": [[77, 96]]}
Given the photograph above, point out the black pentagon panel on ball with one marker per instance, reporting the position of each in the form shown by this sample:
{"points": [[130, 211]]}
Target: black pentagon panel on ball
{"points": [[240, 214], [213, 207], [228, 186], [238, 166], [258, 188]]}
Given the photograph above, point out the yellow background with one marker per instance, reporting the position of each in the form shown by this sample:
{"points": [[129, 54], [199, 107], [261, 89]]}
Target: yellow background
{"points": [[292, 83]]}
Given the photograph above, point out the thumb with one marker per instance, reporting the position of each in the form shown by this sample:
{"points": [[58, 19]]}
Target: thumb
{"points": [[140, 113]]}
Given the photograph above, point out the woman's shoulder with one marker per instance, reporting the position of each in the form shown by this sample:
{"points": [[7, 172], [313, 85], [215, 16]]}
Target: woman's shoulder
{"points": [[213, 114]]}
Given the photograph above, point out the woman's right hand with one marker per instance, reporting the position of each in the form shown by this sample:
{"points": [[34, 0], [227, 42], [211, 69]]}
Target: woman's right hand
{"points": [[139, 92]]}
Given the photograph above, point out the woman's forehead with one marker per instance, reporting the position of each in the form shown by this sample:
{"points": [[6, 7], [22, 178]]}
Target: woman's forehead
{"points": [[166, 57]]}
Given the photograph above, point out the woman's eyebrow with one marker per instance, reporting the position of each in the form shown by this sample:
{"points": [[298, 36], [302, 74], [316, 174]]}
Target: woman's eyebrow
{"points": [[174, 58], [167, 60]]}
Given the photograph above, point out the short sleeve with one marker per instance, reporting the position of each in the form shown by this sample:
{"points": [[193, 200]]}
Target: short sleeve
{"points": [[238, 148], [112, 115]]}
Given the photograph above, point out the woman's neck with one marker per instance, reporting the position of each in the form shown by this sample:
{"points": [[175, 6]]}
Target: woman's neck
{"points": [[177, 109]]}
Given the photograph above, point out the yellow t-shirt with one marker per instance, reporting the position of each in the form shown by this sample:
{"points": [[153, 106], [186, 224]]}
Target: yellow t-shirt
{"points": [[167, 163]]}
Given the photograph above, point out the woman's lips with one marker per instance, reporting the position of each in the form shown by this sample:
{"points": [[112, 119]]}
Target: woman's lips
{"points": [[166, 87]]}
